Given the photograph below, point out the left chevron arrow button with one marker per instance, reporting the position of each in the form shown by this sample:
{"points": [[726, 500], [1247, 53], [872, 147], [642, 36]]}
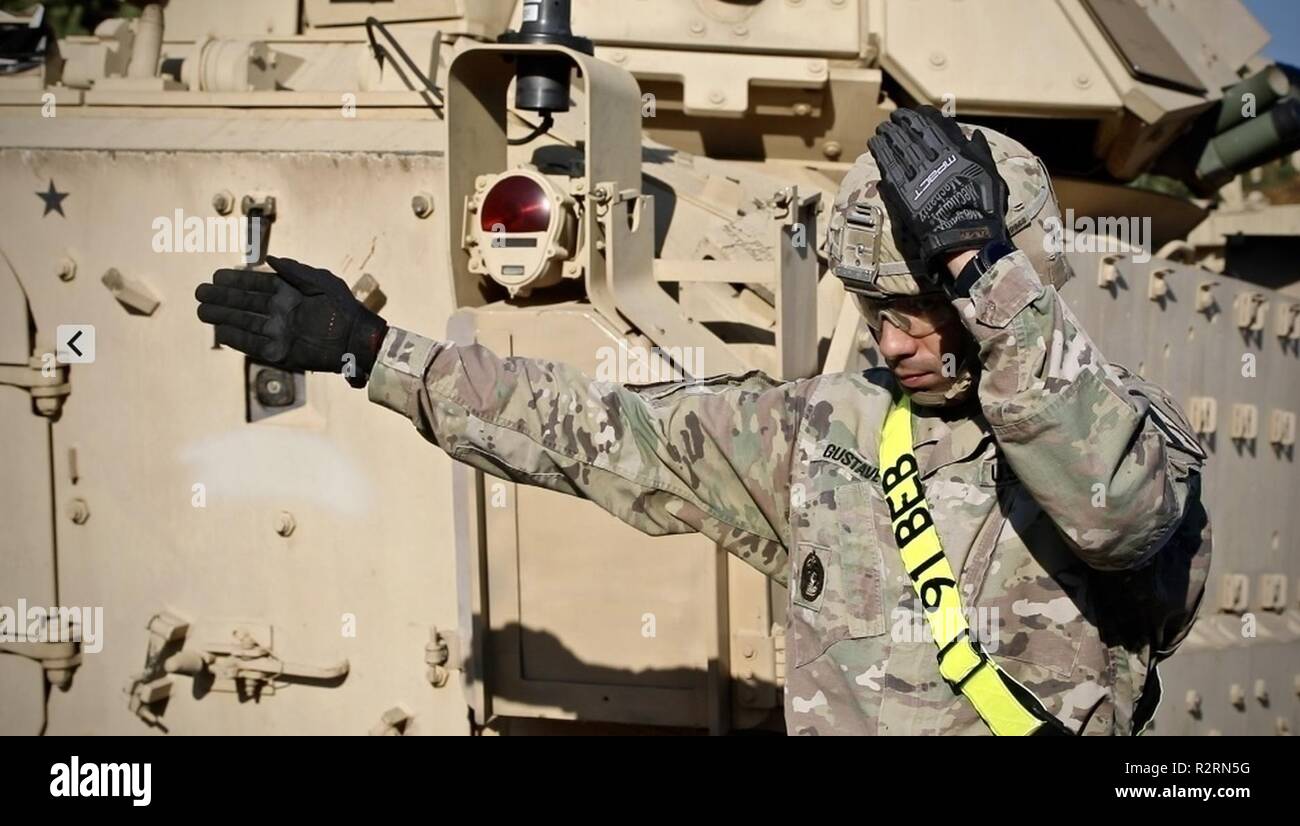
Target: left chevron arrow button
{"points": [[75, 344]]}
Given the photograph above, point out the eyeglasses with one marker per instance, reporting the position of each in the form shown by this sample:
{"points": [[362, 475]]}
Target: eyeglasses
{"points": [[917, 316]]}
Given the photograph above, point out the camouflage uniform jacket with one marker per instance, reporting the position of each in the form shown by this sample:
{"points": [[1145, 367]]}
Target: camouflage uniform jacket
{"points": [[1051, 496]]}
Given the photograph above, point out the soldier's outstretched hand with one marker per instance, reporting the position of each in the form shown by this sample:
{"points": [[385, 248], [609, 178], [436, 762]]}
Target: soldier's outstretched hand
{"points": [[299, 318]]}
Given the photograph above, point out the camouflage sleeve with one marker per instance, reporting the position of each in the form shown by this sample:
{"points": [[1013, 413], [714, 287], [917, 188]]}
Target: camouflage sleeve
{"points": [[1109, 457], [711, 455]]}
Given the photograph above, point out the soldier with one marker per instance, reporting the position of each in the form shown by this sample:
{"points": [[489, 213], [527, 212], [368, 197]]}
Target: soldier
{"points": [[999, 532]]}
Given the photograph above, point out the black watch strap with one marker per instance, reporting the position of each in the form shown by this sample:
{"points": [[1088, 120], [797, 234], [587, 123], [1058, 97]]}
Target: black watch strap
{"points": [[975, 268]]}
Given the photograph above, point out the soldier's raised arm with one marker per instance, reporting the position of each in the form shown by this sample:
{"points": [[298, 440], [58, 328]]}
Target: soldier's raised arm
{"points": [[1107, 455], [1109, 458], [711, 455]]}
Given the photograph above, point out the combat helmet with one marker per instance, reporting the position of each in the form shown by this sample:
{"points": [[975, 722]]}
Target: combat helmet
{"points": [[867, 258]]}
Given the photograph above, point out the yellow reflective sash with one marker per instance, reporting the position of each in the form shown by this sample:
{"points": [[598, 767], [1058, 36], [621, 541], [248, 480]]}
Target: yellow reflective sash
{"points": [[1006, 706]]}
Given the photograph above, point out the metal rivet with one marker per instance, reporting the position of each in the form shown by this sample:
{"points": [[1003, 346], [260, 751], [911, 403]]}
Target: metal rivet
{"points": [[78, 511], [697, 27], [938, 59], [422, 205], [803, 110], [223, 202], [832, 149], [1082, 80], [740, 30], [67, 269], [717, 98], [285, 524]]}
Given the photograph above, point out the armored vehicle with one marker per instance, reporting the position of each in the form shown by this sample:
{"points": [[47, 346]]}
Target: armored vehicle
{"points": [[240, 549]]}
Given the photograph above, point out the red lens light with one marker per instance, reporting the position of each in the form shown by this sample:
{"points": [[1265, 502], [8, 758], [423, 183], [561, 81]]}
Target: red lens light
{"points": [[516, 204]]}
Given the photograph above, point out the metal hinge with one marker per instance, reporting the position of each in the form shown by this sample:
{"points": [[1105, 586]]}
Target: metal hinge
{"points": [[45, 380], [442, 655], [240, 658], [58, 659], [222, 655]]}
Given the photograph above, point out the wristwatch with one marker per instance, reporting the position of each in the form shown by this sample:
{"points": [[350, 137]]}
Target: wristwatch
{"points": [[989, 254]]}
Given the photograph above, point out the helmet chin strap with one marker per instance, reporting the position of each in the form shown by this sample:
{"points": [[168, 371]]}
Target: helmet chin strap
{"points": [[961, 390], [963, 385]]}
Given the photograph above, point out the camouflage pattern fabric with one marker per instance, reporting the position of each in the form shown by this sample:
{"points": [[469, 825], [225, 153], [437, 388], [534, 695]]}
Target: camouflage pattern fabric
{"points": [[1053, 493]]}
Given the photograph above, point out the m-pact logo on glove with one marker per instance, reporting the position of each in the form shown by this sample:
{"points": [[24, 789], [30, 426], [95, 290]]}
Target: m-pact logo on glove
{"points": [[930, 179]]}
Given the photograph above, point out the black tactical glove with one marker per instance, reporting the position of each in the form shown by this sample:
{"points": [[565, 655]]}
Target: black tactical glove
{"points": [[300, 318], [943, 192]]}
